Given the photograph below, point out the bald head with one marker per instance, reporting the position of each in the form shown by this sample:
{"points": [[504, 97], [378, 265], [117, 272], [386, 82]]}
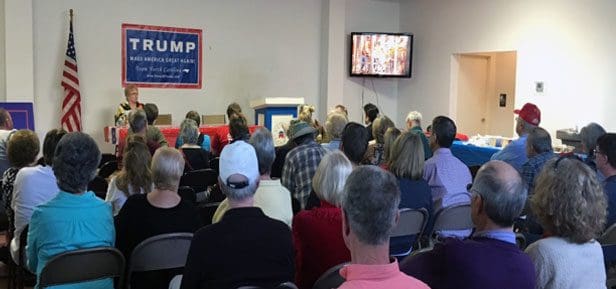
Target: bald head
{"points": [[502, 190]]}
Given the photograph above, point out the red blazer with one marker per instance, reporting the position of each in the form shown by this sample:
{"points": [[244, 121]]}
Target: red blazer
{"points": [[317, 238]]}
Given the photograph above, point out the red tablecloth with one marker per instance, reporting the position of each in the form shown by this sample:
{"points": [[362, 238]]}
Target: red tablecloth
{"points": [[115, 134]]}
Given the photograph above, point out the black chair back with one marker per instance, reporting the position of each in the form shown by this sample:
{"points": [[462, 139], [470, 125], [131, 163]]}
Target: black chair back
{"points": [[106, 157], [215, 163], [166, 251], [82, 265], [99, 186], [188, 194], [199, 180], [331, 278], [107, 169]]}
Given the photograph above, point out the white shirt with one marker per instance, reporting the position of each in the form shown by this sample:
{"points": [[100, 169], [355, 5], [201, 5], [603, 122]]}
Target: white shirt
{"points": [[116, 197], [33, 186]]}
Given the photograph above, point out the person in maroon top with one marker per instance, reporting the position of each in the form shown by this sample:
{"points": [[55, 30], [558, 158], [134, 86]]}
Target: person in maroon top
{"points": [[222, 136], [316, 233]]}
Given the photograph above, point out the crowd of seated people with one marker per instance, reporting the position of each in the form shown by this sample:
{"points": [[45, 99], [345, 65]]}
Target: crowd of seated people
{"points": [[257, 238]]}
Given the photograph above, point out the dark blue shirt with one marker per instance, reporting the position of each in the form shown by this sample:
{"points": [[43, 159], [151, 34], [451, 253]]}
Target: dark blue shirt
{"points": [[414, 194], [610, 190]]}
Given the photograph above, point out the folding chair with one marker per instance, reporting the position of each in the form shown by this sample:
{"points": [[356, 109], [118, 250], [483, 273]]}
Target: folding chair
{"points": [[106, 157], [214, 164], [107, 169], [99, 186], [187, 193], [412, 223], [82, 265], [331, 278], [199, 180], [166, 251], [457, 217]]}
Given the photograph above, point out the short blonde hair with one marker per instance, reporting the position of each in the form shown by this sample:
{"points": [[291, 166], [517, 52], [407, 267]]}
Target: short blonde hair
{"points": [[569, 200], [130, 87], [330, 177], [167, 168], [407, 156]]}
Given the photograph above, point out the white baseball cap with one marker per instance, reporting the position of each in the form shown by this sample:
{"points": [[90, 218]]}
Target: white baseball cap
{"points": [[239, 158]]}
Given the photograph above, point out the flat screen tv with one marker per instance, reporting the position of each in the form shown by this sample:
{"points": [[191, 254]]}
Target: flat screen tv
{"points": [[381, 54]]}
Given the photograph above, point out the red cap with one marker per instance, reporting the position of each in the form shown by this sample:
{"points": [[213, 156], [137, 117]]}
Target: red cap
{"points": [[529, 113]]}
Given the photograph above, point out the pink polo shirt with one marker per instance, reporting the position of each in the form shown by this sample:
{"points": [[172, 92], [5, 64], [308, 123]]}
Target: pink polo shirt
{"points": [[378, 276]]}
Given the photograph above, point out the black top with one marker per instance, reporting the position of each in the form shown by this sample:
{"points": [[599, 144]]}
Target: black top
{"points": [[196, 159], [281, 155], [139, 220], [369, 129], [414, 194], [244, 248]]}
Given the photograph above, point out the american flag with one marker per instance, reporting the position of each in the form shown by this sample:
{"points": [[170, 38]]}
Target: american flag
{"points": [[71, 105]]}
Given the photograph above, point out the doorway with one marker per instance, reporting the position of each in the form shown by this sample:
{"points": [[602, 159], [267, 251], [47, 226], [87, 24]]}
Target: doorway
{"points": [[482, 92]]}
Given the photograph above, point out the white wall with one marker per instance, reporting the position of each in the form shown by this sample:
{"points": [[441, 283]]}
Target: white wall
{"points": [[565, 43], [253, 49]]}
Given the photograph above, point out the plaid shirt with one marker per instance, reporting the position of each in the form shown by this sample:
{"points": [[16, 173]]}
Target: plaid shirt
{"points": [[531, 168], [299, 167]]}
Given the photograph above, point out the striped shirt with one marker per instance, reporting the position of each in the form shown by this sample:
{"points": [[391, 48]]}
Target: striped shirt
{"points": [[299, 167]]}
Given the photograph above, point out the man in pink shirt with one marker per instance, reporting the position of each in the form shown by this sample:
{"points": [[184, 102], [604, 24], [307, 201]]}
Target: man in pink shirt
{"points": [[370, 211]]}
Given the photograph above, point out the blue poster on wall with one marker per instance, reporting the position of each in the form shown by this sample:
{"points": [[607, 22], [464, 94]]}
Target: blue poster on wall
{"points": [[157, 56]]}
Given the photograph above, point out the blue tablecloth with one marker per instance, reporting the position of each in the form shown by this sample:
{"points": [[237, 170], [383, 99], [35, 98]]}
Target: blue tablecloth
{"points": [[472, 155]]}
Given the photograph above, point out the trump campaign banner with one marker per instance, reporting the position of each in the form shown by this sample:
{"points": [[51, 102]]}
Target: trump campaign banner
{"points": [[157, 56]]}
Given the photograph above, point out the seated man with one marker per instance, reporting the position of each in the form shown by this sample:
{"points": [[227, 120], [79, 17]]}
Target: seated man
{"points": [[539, 151], [514, 153], [246, 247], [369, 213], [605, 158], [490, 258]]}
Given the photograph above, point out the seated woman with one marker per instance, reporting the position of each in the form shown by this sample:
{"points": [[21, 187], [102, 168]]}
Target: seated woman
{"points": [[161, 211], [317, 233], [389, 138], [571, 206], [374, 153], [203, 140], [196, 158], [75, 218], [407, 164], [135, 176]]}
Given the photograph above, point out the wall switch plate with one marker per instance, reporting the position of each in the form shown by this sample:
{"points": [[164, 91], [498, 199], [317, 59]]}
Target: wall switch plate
{"points": [[539, 86]]}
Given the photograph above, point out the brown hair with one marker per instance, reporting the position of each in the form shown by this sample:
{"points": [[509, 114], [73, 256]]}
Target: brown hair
{"points": [[390, 137], [407, 156], [569, 200], [136, 171], [23, 147]]}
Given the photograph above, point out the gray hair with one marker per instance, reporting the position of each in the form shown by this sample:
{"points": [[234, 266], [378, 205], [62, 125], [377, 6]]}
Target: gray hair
{"points": [[137, 120], [414, 116], [75, 162], [238, 194], [334, 125], [502, 190], [167, 168], [263, 142], [380, 126], [589, 135], [539, 140], [526, 126], [370, 202], [332, 172], [189, 132]]}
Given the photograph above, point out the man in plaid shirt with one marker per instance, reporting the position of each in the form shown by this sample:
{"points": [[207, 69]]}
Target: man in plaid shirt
{"points": [[539, 151], [301, 162]]}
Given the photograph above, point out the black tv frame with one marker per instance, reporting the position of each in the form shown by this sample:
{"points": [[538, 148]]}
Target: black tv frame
{"points": [[410, 58]]}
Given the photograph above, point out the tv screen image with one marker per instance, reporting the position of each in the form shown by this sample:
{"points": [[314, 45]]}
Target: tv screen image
{"points": [[381, 54]]}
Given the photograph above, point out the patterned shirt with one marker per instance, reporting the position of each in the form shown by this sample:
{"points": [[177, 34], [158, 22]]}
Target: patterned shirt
{"points": [[299, 168], [8, 178], [531, 168], [121, 115]]}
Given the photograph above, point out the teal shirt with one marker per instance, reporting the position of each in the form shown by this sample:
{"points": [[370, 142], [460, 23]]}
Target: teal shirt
{"points": [[69, 222], [424, 141]]}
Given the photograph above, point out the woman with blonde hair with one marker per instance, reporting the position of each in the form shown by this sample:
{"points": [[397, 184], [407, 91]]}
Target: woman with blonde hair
{"points": [[390, 137], [374, 154], [407, 164], [316, 233], [570, 204], [135, 176]]}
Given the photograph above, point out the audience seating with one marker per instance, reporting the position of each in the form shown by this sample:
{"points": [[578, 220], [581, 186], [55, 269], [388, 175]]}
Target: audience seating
{"points": [[199, 180], [166, 251], [331, 278], [412, 222], [82, 265], [188, 194], [214, 164], [99, 186], [107, 169], [457, 217], [106, 157], [21, 275], [206, 211]]}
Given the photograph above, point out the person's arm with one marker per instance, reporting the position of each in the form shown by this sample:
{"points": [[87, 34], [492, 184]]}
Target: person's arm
{"points": [[33, 236]]}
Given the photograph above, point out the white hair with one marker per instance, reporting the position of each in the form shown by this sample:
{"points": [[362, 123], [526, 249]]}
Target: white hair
{"points": [[414, 116]]}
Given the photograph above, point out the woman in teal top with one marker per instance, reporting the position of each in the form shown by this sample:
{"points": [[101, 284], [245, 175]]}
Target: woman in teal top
{"points": [[75, 218]]}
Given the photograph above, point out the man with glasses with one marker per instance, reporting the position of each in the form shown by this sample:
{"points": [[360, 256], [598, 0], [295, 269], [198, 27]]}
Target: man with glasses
{"points": [[514, 153], [605, 158], [490, 258]]}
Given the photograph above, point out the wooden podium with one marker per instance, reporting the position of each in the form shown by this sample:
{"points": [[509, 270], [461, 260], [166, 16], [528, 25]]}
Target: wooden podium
{"points": [[275, 113]]}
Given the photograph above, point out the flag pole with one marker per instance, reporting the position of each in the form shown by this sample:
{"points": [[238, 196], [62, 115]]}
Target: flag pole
{"points": [[71, 14]]}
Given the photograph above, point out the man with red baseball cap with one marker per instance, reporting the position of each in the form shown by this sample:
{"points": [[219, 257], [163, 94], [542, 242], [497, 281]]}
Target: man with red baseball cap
{"points": [[529, 117]]}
